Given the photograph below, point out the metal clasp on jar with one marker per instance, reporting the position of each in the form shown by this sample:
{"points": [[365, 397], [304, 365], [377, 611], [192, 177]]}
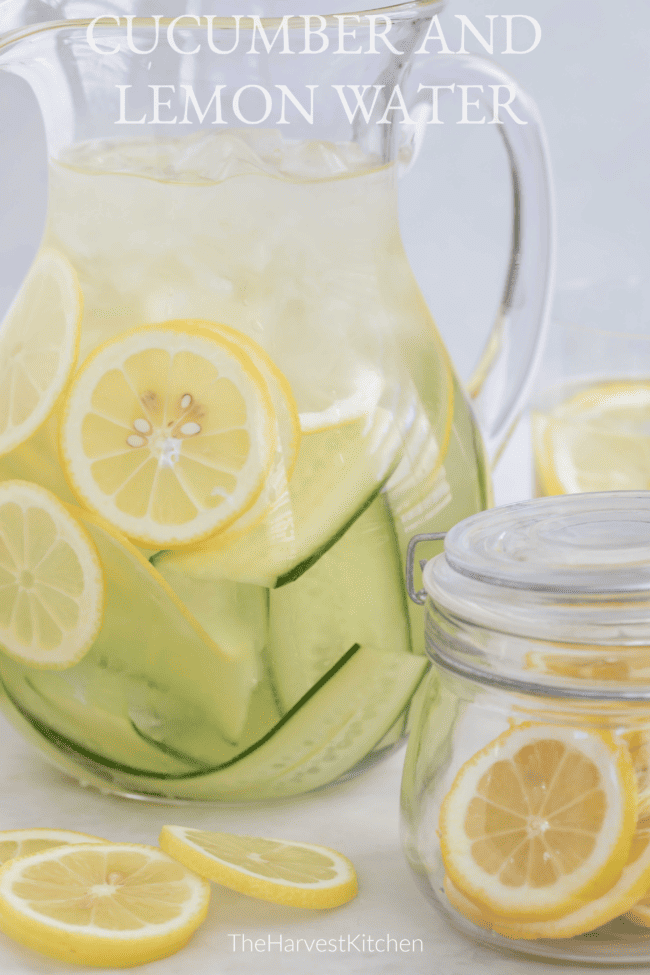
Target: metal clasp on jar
{"points": [[420, 596]]}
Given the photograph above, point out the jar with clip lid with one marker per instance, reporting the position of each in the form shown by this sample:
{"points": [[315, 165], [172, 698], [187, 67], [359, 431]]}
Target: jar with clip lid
{"points": [[526, 787]]}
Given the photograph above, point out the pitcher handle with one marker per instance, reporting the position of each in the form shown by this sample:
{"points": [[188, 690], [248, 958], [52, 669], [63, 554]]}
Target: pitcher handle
{"points": [[502, 379]]}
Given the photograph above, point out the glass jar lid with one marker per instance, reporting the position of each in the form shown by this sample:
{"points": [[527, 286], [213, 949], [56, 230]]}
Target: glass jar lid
{"points": [[556, 590]]}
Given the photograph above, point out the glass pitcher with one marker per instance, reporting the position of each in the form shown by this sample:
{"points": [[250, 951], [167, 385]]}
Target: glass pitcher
{"points": [[224, 406]]}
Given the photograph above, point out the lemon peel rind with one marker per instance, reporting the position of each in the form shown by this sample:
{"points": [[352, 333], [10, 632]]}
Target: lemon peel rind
{"points": [[524, 906], [67, 943], [174, 841]]}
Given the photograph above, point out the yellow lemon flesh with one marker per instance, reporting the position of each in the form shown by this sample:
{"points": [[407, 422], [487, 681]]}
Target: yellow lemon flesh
{"points": [[51, 580], [101, 904], [541, 821], [298, 874], [168, 434], [596, 440], [39, 338]]}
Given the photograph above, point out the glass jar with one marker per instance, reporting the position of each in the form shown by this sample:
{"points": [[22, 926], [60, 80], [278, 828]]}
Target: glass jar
{"points": [[526, 788]]}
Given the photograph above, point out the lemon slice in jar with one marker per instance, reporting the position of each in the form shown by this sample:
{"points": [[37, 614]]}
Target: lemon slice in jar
{"points": [[168, 434], [540, 821], [280, 871], [51, 582], [101, 904], [39, 339], [622, 897]]}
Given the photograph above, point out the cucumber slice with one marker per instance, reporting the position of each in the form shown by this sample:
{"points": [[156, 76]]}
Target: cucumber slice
{"points": [[152, 663], [339, 470], [56, 701], [235, 617], [326, 734], [353, 594], [202, 745]]}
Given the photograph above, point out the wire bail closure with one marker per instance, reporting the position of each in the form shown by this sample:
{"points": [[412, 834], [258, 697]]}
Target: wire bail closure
{"points": [[419, 597]]}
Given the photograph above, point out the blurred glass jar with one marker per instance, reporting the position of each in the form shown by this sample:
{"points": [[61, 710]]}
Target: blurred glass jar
{"points": [[526, 788], [590, 408]]}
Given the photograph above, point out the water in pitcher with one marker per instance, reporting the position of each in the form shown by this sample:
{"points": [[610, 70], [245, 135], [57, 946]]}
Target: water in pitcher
{"points": [[247, 415]]}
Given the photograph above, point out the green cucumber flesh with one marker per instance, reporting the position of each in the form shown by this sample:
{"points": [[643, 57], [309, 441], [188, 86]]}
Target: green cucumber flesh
{"points": [[324, 736], [354, 593]]}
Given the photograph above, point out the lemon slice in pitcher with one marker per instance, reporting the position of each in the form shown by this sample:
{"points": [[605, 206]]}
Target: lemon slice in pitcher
{"points": [[596, 440], [168, 434], [51, 581], [38, 347]]}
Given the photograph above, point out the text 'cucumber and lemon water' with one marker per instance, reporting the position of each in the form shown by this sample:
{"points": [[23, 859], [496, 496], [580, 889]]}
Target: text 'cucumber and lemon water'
{"points": [[222, 391]]}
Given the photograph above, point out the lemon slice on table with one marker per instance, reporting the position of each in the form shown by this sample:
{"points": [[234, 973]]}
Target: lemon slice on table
{"points": [[298, 874], [51, 581], [168, 434], [23, 842], [39, 339], [540, 821], [597, 440], [105, 904]]}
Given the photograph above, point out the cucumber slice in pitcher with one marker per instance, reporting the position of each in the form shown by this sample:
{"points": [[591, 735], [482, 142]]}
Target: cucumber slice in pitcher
{"points": [[324, 736], [353, 594], [54, 700], [339, 470], [235, 617]]}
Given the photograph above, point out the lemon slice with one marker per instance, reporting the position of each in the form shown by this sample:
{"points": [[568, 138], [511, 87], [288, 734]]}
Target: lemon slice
{"points": [[23, 842], [597, 440], [640, 910], [39, 339], [51, 581], [623, 895], [168, 434], [540, 820], [105, 904], [298, 874], [287, 420], [638, 744], [284, 405]]}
